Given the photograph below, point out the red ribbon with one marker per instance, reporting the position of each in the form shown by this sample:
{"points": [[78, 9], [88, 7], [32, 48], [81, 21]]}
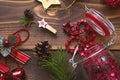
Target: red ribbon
{"points": [[4, 68], [83, 33], [17, 54]]}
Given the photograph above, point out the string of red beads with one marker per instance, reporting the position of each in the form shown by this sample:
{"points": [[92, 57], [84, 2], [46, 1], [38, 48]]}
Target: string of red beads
{"points": [[82, 33]]}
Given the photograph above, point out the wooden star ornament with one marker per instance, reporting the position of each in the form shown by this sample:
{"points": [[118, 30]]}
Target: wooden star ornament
{"points": [[48, 3], [44, 24]]}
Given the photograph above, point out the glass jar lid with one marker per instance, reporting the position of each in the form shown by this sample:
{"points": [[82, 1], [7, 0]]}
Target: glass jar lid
{"points": [[99, 22]]}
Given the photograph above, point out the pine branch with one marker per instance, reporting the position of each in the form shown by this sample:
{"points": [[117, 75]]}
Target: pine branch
{"points": [[59, 66], [27, 19]]}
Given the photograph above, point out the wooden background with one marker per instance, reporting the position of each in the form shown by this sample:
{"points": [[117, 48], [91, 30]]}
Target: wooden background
{"points": [[12, 10]]}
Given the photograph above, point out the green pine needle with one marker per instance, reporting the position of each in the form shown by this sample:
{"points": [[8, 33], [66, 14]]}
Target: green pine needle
{"points": [[25, 22], [58, 66]]}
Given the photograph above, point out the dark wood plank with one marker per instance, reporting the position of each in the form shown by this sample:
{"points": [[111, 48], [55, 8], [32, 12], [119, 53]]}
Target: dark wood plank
{"points": [[12, 10], [36, 72], [10, 13]]}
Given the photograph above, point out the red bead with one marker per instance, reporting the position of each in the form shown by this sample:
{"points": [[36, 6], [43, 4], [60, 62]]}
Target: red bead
{"points": [[77, 37], [72, 29], [78, 23], [77, 28], [81, 39], [87, 45], [113, 66], [113, 3], [68, 28], [82, 54], [112, 74], [88, 38], [93, 35], [87, 28], [71, 50], [92, 43], [66, 44], [75, 33], [80, 31], [85, 49], [72, 37]]}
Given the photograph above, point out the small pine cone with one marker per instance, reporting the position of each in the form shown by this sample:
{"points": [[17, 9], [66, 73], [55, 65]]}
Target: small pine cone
{"points": [[113, 3], [42, 49], [28, 14]]}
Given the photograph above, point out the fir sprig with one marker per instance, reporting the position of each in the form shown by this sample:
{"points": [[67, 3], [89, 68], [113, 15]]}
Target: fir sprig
{"points": [[27, 19], [59, 66]]}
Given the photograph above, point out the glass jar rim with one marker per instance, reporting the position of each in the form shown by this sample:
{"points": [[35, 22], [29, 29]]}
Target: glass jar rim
{"points": [[98, 21]]}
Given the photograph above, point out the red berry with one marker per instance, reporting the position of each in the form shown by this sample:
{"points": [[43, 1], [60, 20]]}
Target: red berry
{"points": [[6, 43], [113, 3]]}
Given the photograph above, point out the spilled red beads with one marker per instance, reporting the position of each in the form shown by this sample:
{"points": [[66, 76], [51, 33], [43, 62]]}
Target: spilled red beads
{"points": [[68, 28], [101, 66], [113, 3], [82, 33]]}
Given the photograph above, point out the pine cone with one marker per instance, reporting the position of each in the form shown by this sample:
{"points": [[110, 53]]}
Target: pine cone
{"points": [[42, 49], [28, 14], [113, 3]]}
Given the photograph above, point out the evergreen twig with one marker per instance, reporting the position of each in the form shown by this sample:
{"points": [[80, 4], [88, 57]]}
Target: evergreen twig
{"points": [[58, 66], [27, 19]]}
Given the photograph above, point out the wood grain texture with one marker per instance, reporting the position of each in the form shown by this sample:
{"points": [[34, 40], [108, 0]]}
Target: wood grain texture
{"points": [[12, 10], [36, 72], [32, 69]]}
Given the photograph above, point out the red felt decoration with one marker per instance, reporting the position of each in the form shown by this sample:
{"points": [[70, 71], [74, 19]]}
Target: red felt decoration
{"points": [[16, 54], [18, 73]]}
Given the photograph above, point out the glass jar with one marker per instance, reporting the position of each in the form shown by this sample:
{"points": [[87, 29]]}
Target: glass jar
{"points": [[99, 64], [96, 60]]}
